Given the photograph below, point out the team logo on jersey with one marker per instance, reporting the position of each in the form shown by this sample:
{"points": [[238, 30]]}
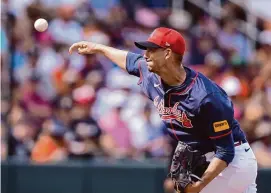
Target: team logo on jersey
{"points": [[221, 125], [169, 113]]}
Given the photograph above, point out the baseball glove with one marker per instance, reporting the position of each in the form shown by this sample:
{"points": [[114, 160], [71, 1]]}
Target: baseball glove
{"points": [[187, 166]]}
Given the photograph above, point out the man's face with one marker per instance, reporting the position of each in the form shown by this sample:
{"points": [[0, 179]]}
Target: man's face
{"points": [[156, 59]]}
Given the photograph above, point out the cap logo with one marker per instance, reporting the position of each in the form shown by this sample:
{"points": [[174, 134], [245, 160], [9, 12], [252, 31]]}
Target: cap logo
{"points": [[167, 44]]}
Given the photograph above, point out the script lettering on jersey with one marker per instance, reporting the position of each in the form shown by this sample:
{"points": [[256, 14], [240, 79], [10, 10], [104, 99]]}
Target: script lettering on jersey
{"points": [[169, 113]]}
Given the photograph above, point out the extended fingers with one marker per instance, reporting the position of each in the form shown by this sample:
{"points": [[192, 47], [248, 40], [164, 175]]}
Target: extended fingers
{"points": [[79, 45], [74, 46]]}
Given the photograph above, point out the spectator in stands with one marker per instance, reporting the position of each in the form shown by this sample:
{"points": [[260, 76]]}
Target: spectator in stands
{"points": [[64, 29], [29, 69], [262, 145], [65, 78], [117, 140], [93, 72], [236, 45], [56, 99], [85, 135], [51, 145], [21, 139], [156, 144], [34, 103]]}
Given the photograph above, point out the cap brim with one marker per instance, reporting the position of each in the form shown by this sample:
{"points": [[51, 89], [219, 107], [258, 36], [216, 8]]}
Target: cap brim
{"points": [[146, 44]]}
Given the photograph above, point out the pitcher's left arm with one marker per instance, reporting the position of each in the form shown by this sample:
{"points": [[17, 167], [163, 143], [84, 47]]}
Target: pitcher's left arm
{"points": [[218, 115]]}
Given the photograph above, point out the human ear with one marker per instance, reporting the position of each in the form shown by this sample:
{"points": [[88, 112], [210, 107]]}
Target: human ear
{"points": [[168, 53]]}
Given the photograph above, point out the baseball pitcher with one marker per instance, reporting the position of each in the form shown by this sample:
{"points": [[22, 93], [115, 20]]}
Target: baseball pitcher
{"points": [[212, 154]]}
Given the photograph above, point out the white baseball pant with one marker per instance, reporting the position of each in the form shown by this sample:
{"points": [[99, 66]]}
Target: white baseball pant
{"points": [[239, 176]]}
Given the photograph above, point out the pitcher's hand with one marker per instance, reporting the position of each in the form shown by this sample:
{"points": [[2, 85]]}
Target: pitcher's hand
{"points": [[83, 47]]}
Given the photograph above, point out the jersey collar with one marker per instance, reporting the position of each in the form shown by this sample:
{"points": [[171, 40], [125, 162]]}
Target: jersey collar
{"points": [[191, 76]]}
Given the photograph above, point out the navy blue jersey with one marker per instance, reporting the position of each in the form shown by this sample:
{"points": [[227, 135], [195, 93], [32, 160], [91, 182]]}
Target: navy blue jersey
{"points": [[197, 112]]}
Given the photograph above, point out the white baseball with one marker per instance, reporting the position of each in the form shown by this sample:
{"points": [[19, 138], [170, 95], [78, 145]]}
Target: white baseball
{"points": [[41, 25]]}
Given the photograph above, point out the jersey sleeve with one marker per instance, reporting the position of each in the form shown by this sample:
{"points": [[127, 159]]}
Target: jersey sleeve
{"points": [[136, 65], [217, 114]]}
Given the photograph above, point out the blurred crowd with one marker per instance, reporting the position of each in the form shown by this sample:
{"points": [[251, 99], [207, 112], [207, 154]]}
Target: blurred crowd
{"points": [[56, 106]]}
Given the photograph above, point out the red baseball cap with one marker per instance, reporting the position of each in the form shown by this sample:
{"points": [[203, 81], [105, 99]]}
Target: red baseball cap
{"points": [[163, 37]]}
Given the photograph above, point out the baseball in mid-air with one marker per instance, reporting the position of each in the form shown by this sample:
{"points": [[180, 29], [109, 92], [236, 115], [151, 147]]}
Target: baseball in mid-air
{"points": [[41, 25]]}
